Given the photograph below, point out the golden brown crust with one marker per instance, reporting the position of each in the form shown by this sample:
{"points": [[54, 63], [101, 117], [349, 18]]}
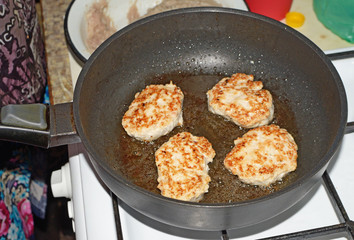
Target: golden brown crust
{"points": [[241, 100], [154, 112], [263, 155], [182, 166]]}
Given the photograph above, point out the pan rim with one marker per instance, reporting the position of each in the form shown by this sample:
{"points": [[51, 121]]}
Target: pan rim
{"points": [[220, 10]]}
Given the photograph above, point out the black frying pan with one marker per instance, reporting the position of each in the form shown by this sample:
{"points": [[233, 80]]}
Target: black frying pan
{"points": [[195, 48], [210, 42]]}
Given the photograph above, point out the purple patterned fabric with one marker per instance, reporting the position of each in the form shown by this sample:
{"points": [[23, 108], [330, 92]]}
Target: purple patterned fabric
{"points": [[22, 59], [22, 80]]}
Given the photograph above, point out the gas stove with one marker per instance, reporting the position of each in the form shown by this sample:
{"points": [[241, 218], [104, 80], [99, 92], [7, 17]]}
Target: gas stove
{"points": [[327, 212]]}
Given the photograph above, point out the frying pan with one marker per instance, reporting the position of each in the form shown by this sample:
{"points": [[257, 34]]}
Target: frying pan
{"points": [[203, 42]]}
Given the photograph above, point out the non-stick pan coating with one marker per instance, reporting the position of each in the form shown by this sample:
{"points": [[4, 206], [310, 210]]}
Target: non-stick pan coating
{"points": [[211, 41]]}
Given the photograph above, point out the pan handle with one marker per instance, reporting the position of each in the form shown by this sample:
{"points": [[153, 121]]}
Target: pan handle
{"points": [[349, 128], [38, 124]]}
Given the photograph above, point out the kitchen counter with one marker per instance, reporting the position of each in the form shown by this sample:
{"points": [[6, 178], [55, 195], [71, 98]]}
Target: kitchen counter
{"points": [[63, 69], [58, 64], [315, 30]]}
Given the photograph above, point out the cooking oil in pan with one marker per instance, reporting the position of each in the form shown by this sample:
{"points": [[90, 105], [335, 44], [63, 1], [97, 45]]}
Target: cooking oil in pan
{"points": [[137, 160]]}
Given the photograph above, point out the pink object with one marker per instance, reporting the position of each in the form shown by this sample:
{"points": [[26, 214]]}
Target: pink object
{"points": [[24, 208], [276, 9]]}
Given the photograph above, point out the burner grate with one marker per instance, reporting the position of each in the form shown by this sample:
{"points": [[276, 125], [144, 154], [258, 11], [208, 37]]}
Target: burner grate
{"points": [[344, 229]]}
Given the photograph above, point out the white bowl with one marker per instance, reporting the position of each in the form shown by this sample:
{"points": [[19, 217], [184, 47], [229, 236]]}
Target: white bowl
{"points": [[75, 21]]}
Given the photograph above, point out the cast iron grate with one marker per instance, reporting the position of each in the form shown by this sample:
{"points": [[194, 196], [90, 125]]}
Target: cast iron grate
{"points": [[344, 229]]}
